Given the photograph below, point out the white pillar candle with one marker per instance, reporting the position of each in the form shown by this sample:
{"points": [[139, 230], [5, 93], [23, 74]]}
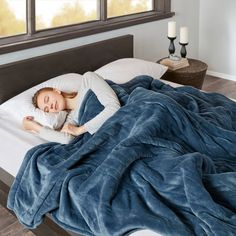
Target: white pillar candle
{"points": [[183, 35], [172, 29]]}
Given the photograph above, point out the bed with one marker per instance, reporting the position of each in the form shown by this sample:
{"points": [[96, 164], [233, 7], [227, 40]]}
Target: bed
{"points": [[19, 76], [205, 188]]}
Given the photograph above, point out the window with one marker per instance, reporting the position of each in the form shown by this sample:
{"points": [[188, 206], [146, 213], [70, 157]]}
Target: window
{"points": [[12, 21], [29, 23], [56, 13], [127, 7]]}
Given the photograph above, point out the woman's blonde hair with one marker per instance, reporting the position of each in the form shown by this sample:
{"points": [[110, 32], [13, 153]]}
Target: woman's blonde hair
{"points": [[64, 94]]}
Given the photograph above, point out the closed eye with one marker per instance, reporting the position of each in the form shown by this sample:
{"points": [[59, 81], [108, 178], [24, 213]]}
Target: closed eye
{"points": [[46, 99]]}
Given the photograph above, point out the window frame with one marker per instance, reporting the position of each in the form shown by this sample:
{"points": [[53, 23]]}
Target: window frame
{"points": [[33, 38]]}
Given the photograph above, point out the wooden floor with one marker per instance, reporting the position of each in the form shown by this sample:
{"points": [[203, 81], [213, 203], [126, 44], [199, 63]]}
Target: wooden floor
{"points": [[9, 226], [214, 84]]}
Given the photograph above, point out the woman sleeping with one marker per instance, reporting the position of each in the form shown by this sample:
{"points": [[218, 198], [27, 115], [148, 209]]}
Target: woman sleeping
{"points": [[52, 100], [165, 161]]}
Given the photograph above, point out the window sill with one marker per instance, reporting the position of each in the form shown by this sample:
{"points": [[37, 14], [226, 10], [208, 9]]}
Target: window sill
{"points": [[21, 42]]}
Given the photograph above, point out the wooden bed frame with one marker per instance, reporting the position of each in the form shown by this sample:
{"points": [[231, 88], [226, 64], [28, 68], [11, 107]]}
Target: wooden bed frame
{"points": [[19, 76]]}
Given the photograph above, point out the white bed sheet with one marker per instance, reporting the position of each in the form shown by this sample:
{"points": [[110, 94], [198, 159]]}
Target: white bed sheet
{"points": [[14, 143]]}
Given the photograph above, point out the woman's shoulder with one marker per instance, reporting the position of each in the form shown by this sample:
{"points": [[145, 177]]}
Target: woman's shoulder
{"points": [[92, 76], [91, 80]]}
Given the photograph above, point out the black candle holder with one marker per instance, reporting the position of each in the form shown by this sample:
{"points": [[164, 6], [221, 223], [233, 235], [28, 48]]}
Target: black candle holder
{"points": [[183, 51], [172, 45]]}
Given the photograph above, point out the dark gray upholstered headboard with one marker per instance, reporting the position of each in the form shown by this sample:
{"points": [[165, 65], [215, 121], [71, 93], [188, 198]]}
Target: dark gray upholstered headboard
{"points": [[19, 76]]}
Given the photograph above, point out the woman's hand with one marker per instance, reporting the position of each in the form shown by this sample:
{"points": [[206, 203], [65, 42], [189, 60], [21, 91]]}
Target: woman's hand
{"points": [[73, 130], [30, 124]]}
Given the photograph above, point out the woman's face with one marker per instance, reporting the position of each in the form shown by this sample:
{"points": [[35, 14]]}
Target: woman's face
{"points": [[51, 101]]}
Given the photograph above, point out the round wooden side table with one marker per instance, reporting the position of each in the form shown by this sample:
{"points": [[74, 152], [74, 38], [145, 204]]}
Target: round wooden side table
{"points": [[192, 75]]}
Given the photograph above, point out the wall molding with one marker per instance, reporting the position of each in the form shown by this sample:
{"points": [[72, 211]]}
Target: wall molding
{"points": [[221, 75]]}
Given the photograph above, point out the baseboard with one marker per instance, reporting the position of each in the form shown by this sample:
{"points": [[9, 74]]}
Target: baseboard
{"points": [[221, 75]]}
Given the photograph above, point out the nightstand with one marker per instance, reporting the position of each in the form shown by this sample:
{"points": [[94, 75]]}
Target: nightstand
{"points": [[192, 75]]}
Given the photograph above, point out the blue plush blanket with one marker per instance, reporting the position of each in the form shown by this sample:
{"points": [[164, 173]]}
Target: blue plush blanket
{"points": [[166, 161]]}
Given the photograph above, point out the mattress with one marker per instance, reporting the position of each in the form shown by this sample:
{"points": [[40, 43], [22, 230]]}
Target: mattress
{"points": [[15, 142]]}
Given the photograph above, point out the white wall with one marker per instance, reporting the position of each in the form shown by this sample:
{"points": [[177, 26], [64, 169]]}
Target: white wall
{"points": [[150, 39], [217, 37], [187, 14]]}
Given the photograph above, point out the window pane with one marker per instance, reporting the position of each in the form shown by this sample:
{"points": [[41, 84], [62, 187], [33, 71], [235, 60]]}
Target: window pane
{"points": [[127, 7], [12, 17], [55, 13]]}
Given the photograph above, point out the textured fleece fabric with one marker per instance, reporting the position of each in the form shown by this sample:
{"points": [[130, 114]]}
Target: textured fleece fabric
{"points": [[165, 161]]}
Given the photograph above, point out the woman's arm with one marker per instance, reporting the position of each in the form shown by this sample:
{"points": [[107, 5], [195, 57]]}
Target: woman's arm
{"points": [[29, 124], [55, 136], [73, 129], [106, 96]]}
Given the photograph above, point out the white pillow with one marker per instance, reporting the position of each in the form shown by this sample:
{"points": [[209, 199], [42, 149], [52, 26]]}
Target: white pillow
{"points": [[123, 70], [21, 105]]}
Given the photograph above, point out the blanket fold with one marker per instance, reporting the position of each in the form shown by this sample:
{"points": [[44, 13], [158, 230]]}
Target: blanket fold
{"points": [[165, 161]]}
